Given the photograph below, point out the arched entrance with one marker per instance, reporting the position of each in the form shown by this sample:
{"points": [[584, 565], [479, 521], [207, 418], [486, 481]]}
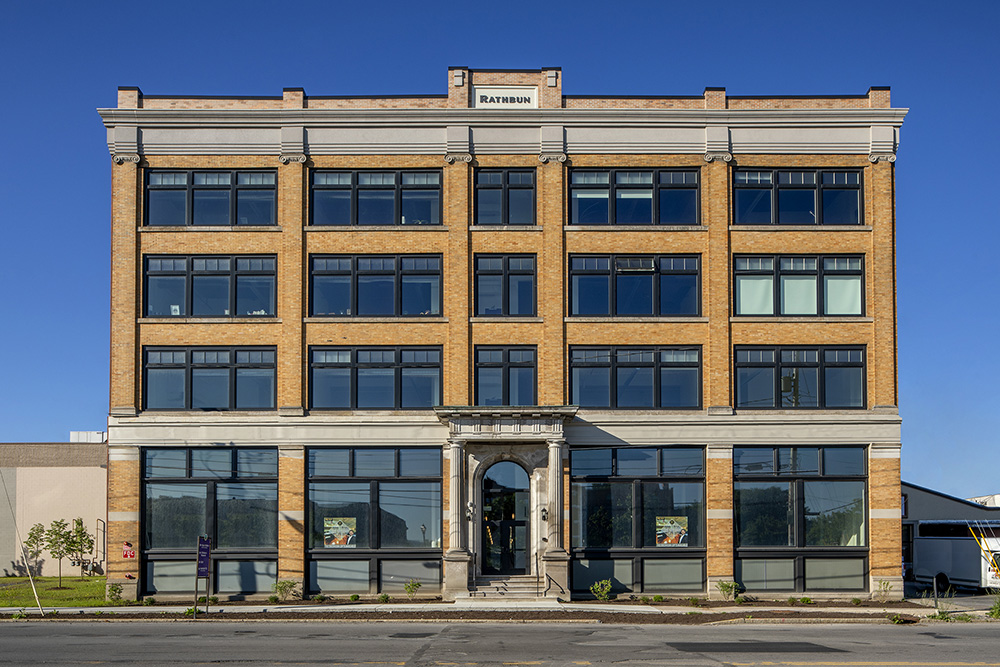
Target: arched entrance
{"points": [[506, 504]]}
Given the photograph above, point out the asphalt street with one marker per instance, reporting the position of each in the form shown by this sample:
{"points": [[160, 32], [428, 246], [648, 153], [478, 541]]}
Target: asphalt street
{"points": [[488, 644]]}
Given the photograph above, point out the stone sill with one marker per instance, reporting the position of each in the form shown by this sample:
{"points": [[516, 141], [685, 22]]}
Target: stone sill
{"points": [[375, 228], [145, 229], [801, 319], [264, 319], [800, 228], [368, 320], [505, 228], [504, 320], [637, 320], [635, 228]]}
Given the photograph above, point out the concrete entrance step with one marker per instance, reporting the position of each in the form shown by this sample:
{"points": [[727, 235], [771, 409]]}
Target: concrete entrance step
{"points": [[508, 586]]}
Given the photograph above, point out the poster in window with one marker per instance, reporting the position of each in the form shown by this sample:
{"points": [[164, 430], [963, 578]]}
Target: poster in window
{"points": [[671, 531], [339, 532]]}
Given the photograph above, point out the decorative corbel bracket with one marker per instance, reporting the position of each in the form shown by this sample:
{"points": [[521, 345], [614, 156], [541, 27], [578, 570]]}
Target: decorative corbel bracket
{"points": [[120, 158], [552, 157], [452, 158], [285, 158], [725, 157], [882, 157]]}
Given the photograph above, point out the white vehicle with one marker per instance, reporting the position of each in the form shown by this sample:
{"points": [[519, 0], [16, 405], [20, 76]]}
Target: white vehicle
{"points": [[957, 554]]}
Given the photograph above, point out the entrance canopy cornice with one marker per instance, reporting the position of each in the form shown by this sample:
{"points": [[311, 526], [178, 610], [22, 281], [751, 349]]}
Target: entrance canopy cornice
{"points": [[492, 423]]}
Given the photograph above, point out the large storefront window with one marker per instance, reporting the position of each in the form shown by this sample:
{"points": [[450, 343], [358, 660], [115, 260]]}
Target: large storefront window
{"points": [[229, 494], [374, 514], [638, 518], [800, 517]]}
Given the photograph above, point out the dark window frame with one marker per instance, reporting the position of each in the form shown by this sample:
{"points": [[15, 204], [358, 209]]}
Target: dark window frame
{"points": [[375, 553], [397, 365], [506, 272], [397, 271], [821, 364], [188, 365], [506, 364], [233, 187], [189, 272], [776, 272], [656, 270], [397, 187], [657, 364], [211, 507], [775, 188], [505, 188], [655, 187], [796, 480], [638, 546]]}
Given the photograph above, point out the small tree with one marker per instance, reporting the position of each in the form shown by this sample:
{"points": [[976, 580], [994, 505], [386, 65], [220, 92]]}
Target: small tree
{"points": [[57, 541], [33, 546], [81, 543]]}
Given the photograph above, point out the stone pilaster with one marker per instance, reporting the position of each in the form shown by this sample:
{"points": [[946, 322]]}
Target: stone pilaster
{"points": [[291, 514], [456, 558], [555, 558]]}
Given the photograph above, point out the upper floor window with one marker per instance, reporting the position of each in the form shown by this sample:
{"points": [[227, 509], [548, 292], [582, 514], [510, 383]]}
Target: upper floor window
{"points": [[376, 198], [220, 198], [209, 286], [505, 375], [777, 285], [813, 197], [505, 197], [635, 377], [209, 378], [505, 285], [636, 285], [376, 285], [794, 377], [634, 197], [373, 378]]}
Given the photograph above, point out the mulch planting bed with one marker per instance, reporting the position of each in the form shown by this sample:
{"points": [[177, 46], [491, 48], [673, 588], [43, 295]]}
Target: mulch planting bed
{"points": [[690, 618]]}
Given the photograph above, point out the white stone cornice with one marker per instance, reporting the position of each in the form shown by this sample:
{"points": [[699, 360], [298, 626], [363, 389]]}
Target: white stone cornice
{"points": [[712, 132]]}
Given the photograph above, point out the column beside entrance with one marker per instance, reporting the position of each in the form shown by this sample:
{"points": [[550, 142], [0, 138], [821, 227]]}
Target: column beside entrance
{"points": [[555, 558], [456, 558]]}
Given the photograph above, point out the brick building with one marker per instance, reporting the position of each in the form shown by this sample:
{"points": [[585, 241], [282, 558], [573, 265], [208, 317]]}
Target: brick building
{"points": [[504, 337]]}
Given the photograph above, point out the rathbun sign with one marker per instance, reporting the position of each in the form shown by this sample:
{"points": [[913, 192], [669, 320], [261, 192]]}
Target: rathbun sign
{"points": [[504, 97]]}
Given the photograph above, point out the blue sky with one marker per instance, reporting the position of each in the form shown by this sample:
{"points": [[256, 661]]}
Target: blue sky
{"points": [[63, 60]]}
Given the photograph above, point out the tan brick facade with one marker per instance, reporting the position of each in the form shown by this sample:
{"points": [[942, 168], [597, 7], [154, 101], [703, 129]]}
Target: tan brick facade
{"points": [[292, 332]]}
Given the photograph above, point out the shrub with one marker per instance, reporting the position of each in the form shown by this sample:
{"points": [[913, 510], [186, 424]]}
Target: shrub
{"points": [[383, 598], [115, 592], [792, 601], [355, 597], [856, 601], [214, 599], [729, 589], [273, 599], [19, 615], [411, 587], [601, 589], [994, 611], [657, 598], [883, 591], [320, 598], [149, 602], [284, 589], [806, 600], [644, 598]]}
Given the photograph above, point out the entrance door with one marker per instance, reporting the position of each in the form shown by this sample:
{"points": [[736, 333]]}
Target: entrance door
{"points": [[506, 506]]}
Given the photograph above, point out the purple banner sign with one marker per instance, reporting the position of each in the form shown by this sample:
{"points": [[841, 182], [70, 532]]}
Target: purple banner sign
{"points": [[204, 557]]}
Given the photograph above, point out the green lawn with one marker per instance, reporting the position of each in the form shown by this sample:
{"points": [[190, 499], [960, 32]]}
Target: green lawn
{"points": [[77, 592]]}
